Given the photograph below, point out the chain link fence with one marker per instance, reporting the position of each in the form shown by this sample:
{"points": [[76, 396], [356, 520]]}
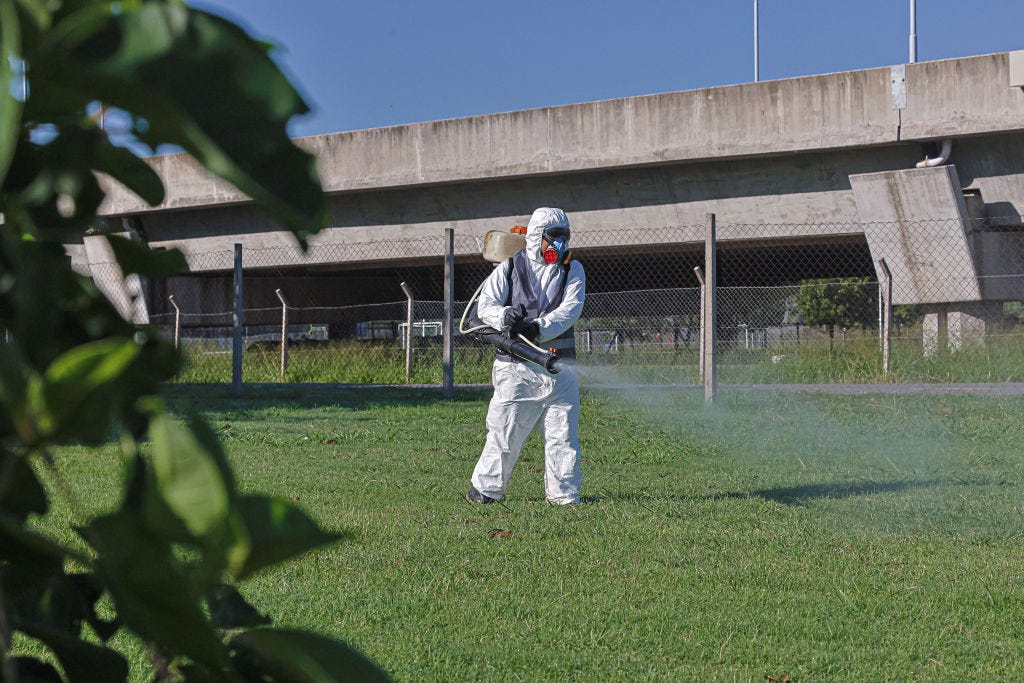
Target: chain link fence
{"points": [[795, 304]]}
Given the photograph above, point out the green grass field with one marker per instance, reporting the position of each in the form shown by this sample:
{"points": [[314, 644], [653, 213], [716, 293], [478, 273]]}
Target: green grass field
{"points": [[854, 360], [809, 536]]}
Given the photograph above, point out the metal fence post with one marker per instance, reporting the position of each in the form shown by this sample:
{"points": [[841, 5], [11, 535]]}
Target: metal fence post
{"points": [[236, 342], [700, 353], [880, 314], [284, 332], [177, 321], [448, 371], [709, 323], [408, 331], [886, 289]]}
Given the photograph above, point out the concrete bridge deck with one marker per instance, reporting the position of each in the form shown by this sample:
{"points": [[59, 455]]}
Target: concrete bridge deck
{"points": [[805, 159]]}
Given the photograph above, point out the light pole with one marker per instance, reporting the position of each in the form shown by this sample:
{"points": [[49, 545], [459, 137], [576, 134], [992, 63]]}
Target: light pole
{"points": [[756, 75], [913, 31]]}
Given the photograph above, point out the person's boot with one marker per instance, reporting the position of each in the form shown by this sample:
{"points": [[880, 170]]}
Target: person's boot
{"points": [[475, 496]]}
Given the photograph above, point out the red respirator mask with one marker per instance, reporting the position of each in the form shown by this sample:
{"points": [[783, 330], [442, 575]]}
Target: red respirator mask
{"points": [[557, 250]]}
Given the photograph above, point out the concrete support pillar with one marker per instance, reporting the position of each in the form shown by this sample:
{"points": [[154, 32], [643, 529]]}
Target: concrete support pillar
{"points": [[965, 330], [934, 329], [126, 293], [968, 324], [958, 326]]}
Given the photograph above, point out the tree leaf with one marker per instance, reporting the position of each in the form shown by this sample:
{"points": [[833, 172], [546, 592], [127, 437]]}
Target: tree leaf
{"points": [[152, 594], [228, 609], [130, 171], [85, 368], [134, 257], [300, 657], [142, 497], [21, 494], [40, 11], [152, 74], [40, 595], [17, 542], [55, 309], [277, 531], [191, 476], [82, 662], [90, 592], [69, 400], [10, 108], [13, 380], [32, 670]]}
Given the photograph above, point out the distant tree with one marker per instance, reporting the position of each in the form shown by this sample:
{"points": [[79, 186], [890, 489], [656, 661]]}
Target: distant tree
{"points": [[904, 316], [170, 557], [847, 302]]}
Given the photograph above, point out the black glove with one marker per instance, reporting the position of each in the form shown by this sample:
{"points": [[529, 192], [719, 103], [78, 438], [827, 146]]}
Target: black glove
{"points": [[514, 315], [528, 327]]}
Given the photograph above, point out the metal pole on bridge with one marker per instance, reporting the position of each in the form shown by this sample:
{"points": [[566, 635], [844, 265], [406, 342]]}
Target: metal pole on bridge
{"points": [[757, 50], [913, 32]]}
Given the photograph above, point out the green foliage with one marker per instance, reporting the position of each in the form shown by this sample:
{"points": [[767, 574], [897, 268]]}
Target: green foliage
{"points": [[167, 556], [1014, 310], [848, 302]]}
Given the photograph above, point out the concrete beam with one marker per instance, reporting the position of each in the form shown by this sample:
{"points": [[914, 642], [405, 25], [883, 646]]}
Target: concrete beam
{"points": [[1016, 64], [916, 220], [958, 97], [769, 118]]}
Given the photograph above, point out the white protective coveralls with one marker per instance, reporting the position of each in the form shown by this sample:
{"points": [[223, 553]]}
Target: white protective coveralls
{"points": [[526, 395]]}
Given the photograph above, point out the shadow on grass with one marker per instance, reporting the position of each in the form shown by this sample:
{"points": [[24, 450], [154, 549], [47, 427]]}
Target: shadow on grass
{"points": [[794, 495], [357, 397], [800, 495]]}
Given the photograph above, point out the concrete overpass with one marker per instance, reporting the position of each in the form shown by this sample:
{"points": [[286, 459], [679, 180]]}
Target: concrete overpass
{"points": [[808, 159]]}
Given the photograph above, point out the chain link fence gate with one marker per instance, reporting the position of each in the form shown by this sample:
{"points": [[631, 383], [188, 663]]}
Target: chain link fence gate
{"points": [[795, 304]]}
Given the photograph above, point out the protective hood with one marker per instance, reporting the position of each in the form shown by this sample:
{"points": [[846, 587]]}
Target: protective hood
{"points": [[541, 220]]}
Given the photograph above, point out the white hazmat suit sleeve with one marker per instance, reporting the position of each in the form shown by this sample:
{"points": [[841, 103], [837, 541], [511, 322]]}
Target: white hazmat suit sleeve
{"points": [[490, 306]]}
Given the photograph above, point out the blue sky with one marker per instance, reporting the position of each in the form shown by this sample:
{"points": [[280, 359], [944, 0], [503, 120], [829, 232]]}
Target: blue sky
{"points": [[387, 62]]}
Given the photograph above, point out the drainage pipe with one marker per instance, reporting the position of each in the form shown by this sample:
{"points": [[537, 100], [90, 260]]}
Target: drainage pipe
{"points": [[928, 162]]}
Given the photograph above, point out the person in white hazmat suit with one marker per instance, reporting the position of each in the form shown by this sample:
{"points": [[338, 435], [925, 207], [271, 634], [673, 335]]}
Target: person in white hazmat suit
{"points": [[538, 293]]}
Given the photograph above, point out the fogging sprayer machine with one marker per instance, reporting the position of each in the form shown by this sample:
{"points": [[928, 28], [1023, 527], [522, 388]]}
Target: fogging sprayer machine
{"points": [[498, 247]]}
